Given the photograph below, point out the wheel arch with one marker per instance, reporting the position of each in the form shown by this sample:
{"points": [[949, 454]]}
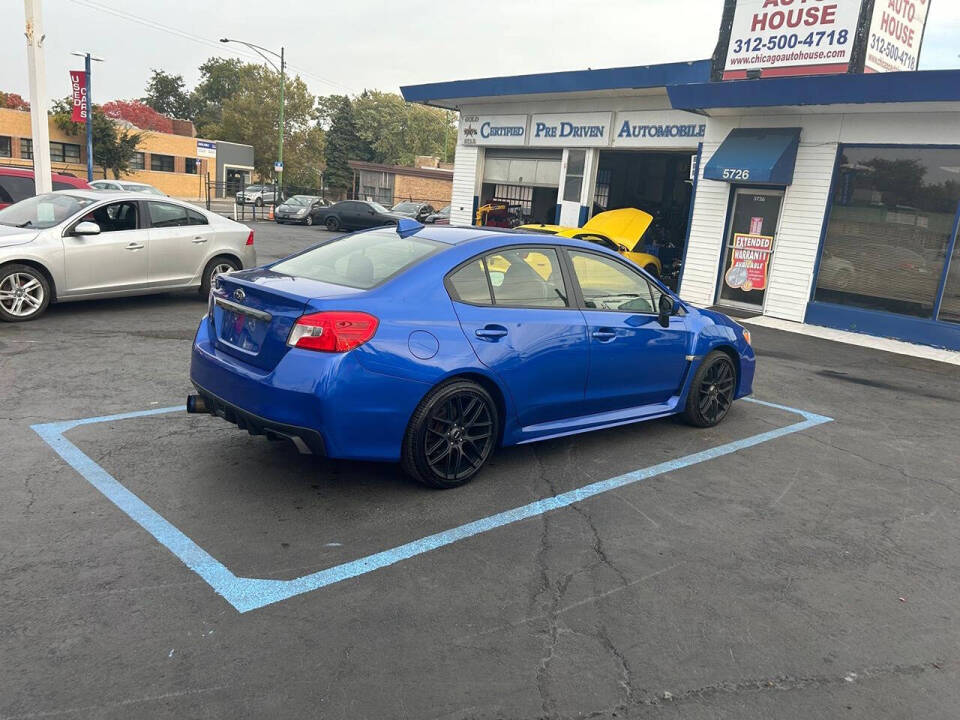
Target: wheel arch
{"points": [[39, 266], [734, 356], [488, 383]]}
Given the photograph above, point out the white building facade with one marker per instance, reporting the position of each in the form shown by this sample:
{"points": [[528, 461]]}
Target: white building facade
{"points": [[831, 200]]}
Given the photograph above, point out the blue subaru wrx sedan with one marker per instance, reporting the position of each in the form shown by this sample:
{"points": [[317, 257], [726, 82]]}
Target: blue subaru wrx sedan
{"points": [[431, 347]]}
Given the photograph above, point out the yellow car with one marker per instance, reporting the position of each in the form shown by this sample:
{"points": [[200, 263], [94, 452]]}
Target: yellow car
{"points": [[620, 230]]}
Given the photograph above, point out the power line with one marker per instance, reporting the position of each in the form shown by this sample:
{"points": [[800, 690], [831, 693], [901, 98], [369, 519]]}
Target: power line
{"points": [[153, 24]]}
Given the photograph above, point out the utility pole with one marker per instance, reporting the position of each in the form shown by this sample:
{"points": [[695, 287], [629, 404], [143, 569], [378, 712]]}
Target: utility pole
{"points": [[37, 79], [283, 83], [87, 57]]}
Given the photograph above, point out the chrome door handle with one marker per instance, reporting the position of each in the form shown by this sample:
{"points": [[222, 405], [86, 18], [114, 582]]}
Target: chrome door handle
{"points": [[490, 332], [604, 334], [134, 246], [199, 239]]}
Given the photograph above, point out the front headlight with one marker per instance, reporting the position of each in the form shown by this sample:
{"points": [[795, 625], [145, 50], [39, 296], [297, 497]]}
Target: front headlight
{"points": [[301, 212]]}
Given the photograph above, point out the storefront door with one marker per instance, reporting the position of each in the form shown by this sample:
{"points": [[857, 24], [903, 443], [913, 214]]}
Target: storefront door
{"points": [[749, 246]]}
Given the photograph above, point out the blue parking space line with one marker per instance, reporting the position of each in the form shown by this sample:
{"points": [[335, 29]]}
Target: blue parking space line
{"points": [[246, 594]]}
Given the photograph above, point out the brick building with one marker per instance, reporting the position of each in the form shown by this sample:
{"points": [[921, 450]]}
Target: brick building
{"points": [[428, 180], [176, 164]]}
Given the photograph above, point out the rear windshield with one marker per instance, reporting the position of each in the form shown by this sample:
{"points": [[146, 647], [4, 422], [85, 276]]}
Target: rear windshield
{"points": [[359, 261]]}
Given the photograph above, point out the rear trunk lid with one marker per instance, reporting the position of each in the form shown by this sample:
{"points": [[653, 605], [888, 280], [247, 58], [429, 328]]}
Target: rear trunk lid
{"points": [[254, 310]]}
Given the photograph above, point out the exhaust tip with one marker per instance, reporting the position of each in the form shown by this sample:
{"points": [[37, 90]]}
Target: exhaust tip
{"points": [[196, 404]]}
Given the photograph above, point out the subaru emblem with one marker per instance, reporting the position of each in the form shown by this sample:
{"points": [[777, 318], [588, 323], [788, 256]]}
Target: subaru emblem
{"points": [[239, 294]]}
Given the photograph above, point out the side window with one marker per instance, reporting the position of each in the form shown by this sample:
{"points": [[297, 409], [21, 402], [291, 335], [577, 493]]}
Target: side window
{"points": [[527, 277], [195, 218], [469, 284], [18, 188], [609, 285], [166, 215], [115, 217]]}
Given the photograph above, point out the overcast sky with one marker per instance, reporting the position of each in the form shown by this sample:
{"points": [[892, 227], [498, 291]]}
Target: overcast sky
{"points": [[348, 46]]}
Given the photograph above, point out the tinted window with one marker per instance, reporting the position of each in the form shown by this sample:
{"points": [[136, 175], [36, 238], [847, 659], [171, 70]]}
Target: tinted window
{"points": [[609, 285], [114, 217], [60, 185], [14, 189], [359, 261], [166, 215], [527, 277], [891, 220], [469, 284], [196, 218]]}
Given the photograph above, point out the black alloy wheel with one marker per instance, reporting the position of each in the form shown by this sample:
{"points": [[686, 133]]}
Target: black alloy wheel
{"points": [[712, 390], [332, 223], [451, 435]]}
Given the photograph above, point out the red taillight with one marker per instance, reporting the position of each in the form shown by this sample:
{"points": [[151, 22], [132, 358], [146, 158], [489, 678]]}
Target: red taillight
{"points": [[334, 331], [250, 238]]}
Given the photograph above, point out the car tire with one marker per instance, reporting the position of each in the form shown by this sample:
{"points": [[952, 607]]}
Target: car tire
{"points": [[332, 223], [712, 390], [217, 266], [439, 449], [652, 270], [24, 293], [308, 220]]}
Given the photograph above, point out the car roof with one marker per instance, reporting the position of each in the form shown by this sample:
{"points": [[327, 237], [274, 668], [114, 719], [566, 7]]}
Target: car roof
{"points": [[123, 195], [459, 235], [28, 172]]}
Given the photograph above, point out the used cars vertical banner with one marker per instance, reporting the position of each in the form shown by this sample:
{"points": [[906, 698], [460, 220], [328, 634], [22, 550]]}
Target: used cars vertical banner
{"points": [[78, 86]]}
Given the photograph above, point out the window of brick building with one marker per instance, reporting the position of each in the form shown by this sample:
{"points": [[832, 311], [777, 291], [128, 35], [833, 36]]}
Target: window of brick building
{"points": [[5, 147], [26, 148], [138, 161], [64, 152], [191, 166], [161, 163]]}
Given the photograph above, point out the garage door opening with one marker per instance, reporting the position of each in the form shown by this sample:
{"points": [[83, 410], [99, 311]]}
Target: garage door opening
{"points": [[519, 187], [658, 183]]}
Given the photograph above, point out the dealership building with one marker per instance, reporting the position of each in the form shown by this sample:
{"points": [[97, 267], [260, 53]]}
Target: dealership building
{"points": [[830, 199]]}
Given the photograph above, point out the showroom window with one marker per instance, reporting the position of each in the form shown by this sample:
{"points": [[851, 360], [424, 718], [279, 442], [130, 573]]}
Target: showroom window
{"points": [[161, 163], [5, 147], [574, 179], [891, 221]]}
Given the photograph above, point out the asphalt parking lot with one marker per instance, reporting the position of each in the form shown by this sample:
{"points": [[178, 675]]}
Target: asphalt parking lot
{"points": [[809, 573]]}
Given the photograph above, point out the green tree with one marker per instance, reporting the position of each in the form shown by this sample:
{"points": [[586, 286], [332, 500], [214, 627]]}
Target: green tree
{"points": [[113, 146], [167, 94], [252, 114], [398, 131], [343, 142], [220, 80]]}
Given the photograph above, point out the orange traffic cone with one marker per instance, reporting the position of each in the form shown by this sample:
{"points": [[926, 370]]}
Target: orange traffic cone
{"points": [[270, 214]]}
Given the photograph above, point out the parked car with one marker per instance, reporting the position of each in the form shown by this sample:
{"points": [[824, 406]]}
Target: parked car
{"points": [[325, 348], [441, 217], [618, 230], [354, 215], [297, 209], [416, 210], [83, 244], [258, 195], [16, 184], [126, 186]]}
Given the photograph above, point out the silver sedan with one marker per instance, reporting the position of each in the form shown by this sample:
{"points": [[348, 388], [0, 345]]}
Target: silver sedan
{"points": [[83, 244]]}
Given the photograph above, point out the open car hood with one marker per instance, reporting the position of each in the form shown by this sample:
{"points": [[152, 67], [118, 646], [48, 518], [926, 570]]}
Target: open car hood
{"points": [[625, 226]]}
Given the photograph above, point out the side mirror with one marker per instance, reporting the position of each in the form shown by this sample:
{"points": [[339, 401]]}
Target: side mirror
{"points": [[86, 228], [667, 306]]}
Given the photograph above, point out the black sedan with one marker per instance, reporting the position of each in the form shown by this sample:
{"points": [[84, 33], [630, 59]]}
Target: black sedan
{"points": [[297, 209], [416, 210], [440, 217], [354, 215]]}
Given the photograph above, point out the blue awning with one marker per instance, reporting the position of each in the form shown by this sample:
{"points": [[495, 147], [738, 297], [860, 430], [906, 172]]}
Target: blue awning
{"points": [[764, 156]]}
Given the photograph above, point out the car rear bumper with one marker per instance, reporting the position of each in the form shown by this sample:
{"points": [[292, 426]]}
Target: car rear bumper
{"points": [[306, 440], [329, 400]]}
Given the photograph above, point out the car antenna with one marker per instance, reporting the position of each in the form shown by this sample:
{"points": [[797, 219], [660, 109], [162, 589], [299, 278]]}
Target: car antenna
{"points": [[407, 227]]}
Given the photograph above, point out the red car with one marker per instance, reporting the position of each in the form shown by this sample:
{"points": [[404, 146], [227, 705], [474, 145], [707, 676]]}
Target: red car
{"points": [[16, 184]]}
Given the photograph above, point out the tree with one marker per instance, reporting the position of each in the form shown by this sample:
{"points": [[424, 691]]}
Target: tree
{"points": [[398, 131], [113, 146], [12, 101], [252, 115], [139, 114], [343, 142], [220, 80], [167, 95]]}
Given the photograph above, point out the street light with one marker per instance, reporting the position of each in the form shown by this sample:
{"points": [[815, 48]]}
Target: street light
{"points": [[260, 51], [86, 68]]}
